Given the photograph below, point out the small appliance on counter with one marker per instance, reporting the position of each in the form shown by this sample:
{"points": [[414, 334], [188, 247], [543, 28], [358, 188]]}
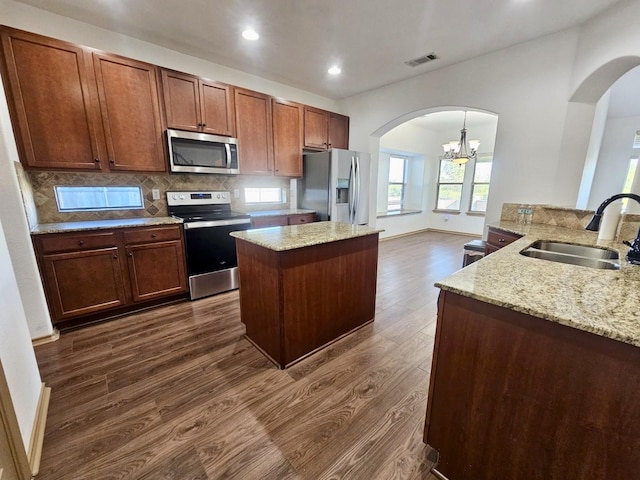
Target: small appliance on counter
{"points": [[336, 185], [212, 265]]}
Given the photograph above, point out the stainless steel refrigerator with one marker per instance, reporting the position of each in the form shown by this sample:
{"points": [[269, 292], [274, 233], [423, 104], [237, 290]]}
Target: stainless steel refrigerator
{"points": [[336, 185]]}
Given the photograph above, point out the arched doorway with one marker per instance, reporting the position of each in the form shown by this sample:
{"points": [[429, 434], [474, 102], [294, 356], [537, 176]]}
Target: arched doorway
{"points": [[416, 188]]}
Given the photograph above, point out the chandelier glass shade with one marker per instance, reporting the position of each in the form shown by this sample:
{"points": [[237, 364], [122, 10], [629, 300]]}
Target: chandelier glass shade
{"points": [[461, 152]]}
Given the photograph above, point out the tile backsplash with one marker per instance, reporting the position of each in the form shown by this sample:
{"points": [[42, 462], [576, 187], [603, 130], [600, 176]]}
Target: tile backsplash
{"points": [[41, 183], [550, 215]]}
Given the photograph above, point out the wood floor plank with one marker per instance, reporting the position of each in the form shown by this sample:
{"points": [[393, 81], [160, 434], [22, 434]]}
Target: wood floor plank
{"points": [[177, 392]]}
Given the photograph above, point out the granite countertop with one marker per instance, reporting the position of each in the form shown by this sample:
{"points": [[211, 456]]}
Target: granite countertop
{"points": [[604, 302], [278, 213], [62, 227], [306, 235]]}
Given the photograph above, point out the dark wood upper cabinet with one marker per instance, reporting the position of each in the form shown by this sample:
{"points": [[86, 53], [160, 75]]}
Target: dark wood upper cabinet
{"points": [[316, 133], [75, 108], [197, 104], [51, 96], [130, 108], [338, 131], [254, 131], [324, 130], [288, 120]]}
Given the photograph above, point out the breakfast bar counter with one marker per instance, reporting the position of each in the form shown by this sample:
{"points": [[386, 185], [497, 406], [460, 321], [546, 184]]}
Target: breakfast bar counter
{"points": [[303, 287], [536, 366]]}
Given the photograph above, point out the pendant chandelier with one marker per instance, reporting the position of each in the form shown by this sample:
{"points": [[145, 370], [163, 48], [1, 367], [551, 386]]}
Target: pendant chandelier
{"points": [[460, 152]]}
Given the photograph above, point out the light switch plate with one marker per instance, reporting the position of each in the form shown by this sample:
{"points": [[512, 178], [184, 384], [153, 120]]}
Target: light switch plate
{"points": [[236, 193], [155, 194]]}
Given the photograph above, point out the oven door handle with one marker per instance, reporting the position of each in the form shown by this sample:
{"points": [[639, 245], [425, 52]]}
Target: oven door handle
{"points": [[216, 223]]}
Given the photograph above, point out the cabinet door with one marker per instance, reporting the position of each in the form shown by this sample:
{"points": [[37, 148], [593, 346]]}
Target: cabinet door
{"points": [[80, 283], [315, 128], [338, 131], [128, 94], [254, 131], [52, 101], [216, 103], [181, 100], [156, 270], [288, 120]]}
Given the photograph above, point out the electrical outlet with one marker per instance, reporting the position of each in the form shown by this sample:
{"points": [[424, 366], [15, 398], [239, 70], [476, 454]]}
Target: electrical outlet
{"points": [[155, 194], [236, 193]]}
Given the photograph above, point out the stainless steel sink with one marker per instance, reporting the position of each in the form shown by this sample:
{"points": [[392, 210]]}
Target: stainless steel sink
{"points": [[579, 250], [581, 255]]}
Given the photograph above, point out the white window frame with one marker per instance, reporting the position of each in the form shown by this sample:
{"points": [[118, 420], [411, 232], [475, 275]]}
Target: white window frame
{"points": [[439, 183], [403, 185], [479, 159], [75, 195]]}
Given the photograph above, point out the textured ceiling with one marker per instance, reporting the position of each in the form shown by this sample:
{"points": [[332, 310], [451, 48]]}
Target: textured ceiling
{"points": [[300, 39]]}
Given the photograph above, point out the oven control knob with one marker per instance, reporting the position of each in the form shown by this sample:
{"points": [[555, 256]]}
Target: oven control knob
{"points": [[175, 197], [218, 196], [181, 197]]}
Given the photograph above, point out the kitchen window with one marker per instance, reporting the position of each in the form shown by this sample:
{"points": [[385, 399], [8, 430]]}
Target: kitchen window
{"points": [[397, 183], [450, 180], [80, 199], [480, 187], [264, 195]]}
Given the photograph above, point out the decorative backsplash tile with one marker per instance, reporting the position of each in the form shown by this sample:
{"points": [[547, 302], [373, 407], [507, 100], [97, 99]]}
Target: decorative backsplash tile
{"points": [[550, 215], [43, 197], [628, 226]]}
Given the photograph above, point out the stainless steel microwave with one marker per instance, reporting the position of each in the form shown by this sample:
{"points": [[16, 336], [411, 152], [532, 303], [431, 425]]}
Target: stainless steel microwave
{"points": [[192, 152]]}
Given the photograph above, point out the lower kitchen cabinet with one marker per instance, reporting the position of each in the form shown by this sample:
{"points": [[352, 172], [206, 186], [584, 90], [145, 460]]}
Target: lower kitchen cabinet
{"points": [[156, 270], [498, 238], [83, 282], [85, 274], [265, 221]]}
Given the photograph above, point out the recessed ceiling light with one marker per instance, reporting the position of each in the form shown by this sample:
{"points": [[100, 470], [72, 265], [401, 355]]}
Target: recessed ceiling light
{"points": [[335, 70], [250, 34]]}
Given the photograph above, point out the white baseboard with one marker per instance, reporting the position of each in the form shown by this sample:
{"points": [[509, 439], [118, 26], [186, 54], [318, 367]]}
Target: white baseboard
{"points": [[55, 335], [37, 434]]}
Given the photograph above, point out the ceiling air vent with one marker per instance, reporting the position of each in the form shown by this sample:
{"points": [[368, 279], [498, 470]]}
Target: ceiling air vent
{"points": [[420, 60]]}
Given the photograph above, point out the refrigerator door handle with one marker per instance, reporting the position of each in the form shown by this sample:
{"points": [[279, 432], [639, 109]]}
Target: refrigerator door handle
{"points": [[356, 208], [352, 187]]}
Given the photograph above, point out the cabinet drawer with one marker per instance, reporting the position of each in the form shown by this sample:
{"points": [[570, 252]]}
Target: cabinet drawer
{"points": [[67, 243], [500, 238], [155, 234], [302, 218], [271, 221]]}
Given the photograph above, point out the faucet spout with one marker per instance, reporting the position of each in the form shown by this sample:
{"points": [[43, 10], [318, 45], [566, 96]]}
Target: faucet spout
{"points": [[594, 224]]}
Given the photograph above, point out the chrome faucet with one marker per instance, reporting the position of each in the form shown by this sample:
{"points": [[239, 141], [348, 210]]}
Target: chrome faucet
{"points": [[633, 256]]}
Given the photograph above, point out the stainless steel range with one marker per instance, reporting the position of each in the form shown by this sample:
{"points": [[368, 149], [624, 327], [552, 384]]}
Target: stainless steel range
{"points": [[212, 265]]}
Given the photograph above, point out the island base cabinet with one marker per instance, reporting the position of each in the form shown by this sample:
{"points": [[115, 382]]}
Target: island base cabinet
{"points": [[517, 397], [294, 302]]}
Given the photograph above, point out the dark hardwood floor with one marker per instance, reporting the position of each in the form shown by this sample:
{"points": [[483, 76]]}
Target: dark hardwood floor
{"points": [[178, 393]]}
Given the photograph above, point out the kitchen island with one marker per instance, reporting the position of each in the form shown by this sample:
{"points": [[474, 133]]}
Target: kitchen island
{"points": [[536, 366], [303, 287]]}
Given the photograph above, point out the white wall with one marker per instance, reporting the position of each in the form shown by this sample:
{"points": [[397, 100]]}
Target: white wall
{"points": [[11, 208], [613, 161], [409, 140], [526, 85], [16, 353], [13, 216]]}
